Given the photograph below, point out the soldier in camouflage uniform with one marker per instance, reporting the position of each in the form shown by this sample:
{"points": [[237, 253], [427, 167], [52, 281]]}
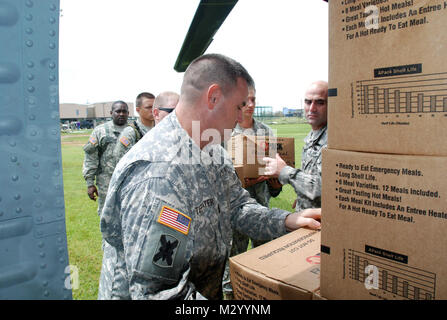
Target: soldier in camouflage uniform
{"points": [[138, 128], [261, 191], [175, 197], [307, 180], [98, 160], [163, 104]]}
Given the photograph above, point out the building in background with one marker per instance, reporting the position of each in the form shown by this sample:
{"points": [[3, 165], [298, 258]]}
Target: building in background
{"points": [[86, 116], [292, 112]]}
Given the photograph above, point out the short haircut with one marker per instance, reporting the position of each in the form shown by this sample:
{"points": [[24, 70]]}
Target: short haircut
{"points": [[213, 68], [139, 100], [164, 98], [119, 102], [252, 87]]}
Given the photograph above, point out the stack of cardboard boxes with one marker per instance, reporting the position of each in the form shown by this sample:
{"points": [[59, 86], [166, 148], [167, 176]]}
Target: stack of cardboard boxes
{"points": [[384, 172], [287, 267]]}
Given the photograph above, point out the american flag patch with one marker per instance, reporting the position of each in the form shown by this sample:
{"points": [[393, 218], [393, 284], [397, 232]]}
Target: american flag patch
{"points": [[92, 140], [174, 219], [124, 141]]}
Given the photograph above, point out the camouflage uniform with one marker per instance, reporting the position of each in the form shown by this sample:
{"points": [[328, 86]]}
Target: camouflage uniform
{"points": [[98, 159], [128, 138], [307, 180], [168, 218], [261, 192]]}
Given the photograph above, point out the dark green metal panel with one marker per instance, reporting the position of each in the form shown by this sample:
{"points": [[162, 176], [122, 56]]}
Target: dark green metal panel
{"points": [[209, 16]]}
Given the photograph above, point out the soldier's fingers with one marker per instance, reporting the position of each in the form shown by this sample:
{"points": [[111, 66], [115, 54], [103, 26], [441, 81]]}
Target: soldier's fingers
{"points": [[279, 159], [261, 179], [314, 213], [309, 222]]}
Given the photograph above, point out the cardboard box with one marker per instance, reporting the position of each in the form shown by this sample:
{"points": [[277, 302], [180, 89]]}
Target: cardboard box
{"points": [[240, 174], [384, 223], [388, 86], [248, 151], [316, 295], [287, 268]]}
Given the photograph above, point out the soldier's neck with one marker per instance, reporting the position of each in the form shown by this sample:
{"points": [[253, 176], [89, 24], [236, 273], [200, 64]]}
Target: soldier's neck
{"points": [[247, 122], [147, 123]]}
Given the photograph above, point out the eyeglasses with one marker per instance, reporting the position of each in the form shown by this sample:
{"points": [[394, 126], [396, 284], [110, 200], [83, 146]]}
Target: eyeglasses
{"points": [[318, 102], [168, 110]]}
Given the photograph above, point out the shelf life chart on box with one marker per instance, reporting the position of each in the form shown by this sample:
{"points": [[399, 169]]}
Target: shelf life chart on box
{"points": [[393, 277], [402, 95]]}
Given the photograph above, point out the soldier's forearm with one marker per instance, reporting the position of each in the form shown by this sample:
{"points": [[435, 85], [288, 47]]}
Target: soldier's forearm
{"points": [[305, 184], [286, 173], [261, 223], [90, 181]]}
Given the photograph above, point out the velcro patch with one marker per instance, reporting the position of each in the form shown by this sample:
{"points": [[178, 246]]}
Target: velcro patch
{"points": [[174, 219], [92, 140], [125, 141], [166, 250]]}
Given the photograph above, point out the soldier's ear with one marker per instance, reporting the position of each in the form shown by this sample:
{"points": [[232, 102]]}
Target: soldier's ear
{"points": [[214, 94]]}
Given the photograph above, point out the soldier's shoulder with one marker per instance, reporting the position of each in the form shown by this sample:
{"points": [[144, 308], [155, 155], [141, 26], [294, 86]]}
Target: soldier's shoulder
{"points": [[145, 171], [324, 136], [100, 129], [128, 132], [263, 126], [125, 140]]}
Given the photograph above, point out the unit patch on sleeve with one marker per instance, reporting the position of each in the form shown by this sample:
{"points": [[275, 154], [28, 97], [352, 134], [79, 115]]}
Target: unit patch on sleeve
{"points": [[125, 141], [166, 250], [174, 219]]}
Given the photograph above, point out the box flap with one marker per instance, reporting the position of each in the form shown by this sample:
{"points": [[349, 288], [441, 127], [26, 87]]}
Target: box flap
{"points": [[293, 259]]}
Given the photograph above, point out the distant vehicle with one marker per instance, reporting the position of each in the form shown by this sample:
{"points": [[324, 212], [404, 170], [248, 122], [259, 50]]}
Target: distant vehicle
{"points": [[65, 128], [87, 124]]}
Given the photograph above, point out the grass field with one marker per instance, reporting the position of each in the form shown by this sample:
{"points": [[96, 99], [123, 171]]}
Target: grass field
{"points": [[83, 235]]}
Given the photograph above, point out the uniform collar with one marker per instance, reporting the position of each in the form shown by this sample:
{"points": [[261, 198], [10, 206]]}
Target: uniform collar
{"points": [[315, 135]]}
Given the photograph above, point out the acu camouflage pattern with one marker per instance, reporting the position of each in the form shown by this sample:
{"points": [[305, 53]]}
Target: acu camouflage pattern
{"points": [[166, 168], [307, 180], [98, 159], [131, 136], [261, 192]]}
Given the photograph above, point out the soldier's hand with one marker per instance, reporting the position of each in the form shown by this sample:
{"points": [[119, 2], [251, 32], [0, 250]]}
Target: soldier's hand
{"points": [[307, 218], [252, 181], [273, 166], [92, 192], [274, 183]]}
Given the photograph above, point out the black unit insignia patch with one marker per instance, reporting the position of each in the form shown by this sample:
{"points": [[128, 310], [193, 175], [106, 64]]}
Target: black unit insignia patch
{"points": [[166, 251]]}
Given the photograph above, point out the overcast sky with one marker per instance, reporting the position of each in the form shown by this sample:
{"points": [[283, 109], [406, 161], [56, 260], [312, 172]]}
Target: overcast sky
{"points": [[114, 49]]}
